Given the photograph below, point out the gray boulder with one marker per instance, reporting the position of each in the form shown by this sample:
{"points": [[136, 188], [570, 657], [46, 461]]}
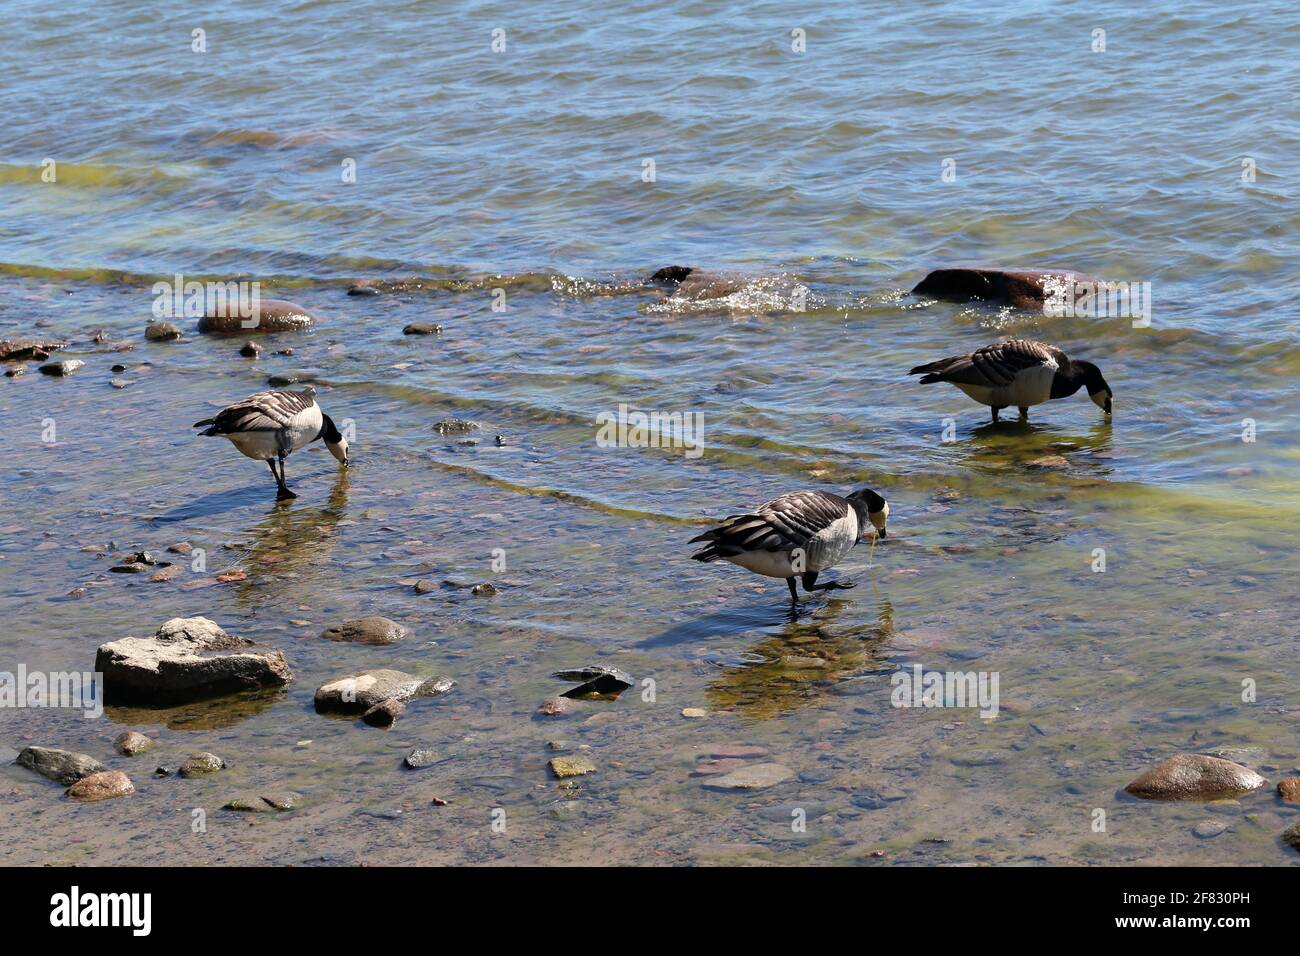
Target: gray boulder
{"points": [[187, 659], [62, 765], [367, 630]]}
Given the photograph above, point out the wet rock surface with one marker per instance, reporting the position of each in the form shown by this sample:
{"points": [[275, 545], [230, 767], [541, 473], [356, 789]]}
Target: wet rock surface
{"points": [[1289, 789], [1291, 835], [131, 743], [101, 786], [61, 368], [422, 328], [564, 767], [65, 766], [384, 713], [273, 315], [1195, 777], [201, 764], [162, 332], [455, 426], [597, 681], [753, 777], [357, 693], [254, 802], [367, 630], [187, 659], [16, 350]]}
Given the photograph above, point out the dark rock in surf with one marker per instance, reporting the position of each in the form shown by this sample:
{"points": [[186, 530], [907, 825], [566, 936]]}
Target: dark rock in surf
{"points": [[597, 681], [455, 426], [285, 379], [62, 765], [60, 369], [187, 659], [250, 350], [271, 315], [384, 713], [422, 328], [162, 332], [1195, 777], [1022, 288]]}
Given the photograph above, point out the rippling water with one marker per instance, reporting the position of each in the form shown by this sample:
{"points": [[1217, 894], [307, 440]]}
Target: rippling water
{"points": [[817, 177]]}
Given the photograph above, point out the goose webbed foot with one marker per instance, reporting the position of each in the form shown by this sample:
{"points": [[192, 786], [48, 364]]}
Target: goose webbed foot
{"points": [[810, 584], [282, 490], [1024, 413], [996, 409]]}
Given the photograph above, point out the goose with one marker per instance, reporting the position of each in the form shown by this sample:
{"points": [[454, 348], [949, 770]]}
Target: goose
{"points": [[1018, 372], [271, 425], [799, 534]]}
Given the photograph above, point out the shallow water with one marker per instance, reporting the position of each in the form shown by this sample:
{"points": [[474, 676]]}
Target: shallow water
{"points": [[818, 173]]}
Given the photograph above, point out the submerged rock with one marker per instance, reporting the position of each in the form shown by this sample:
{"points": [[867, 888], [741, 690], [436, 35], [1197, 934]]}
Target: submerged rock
{"points": [[754, 777], [187, 659], [486, 589], [455, 426], [272, 315], [253, 802], [1195, 777], [101, 786], [1291, 835], [555, 707], [131, 743], [61, 765], [1022, 288], [419, 758], [201, 764], [564, 767], [357, 693], [1208, 829], [367, 630], [422, 328], [250, 349], [1288, 789]]}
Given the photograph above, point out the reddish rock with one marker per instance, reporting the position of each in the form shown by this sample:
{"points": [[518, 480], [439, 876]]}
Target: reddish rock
{"points": [[101, 786], [1289, 789], [1195, 777]]}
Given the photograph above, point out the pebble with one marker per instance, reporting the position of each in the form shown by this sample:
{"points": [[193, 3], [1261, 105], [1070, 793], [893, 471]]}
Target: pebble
{"points": [[418, 759], [1289, 789], [694, 713], [162, 332], [1209, 829]]}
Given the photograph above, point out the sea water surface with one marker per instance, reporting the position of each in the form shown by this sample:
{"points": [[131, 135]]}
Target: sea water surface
{"points": [[1166, 157]]}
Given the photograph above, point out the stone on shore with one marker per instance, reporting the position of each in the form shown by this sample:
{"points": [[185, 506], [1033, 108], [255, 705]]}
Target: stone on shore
{"points": [[1022, 288], [131, 743], [187, 659], [62, 765], [1195, 777], [367, 630], [101, 786], [357, 693], [272, 315]]}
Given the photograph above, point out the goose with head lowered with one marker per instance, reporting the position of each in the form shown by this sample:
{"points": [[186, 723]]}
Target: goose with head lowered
{"points": [[272, 425], [797, 535], [1018, 372]]}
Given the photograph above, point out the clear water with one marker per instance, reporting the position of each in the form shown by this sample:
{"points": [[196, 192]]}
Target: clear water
{"points": [[818, 174]]}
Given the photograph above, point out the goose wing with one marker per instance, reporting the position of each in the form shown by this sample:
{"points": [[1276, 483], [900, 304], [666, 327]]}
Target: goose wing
{"points": [[782, 524], [265, 411], [993, 366]]}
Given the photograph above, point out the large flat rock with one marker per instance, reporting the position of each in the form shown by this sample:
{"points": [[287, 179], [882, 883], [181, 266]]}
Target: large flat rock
{"points": [[61, 765], [14, 350], [187, 659]]}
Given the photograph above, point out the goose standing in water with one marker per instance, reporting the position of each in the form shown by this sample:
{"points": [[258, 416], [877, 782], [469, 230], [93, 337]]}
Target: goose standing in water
{"points": [[1018, 372], [272, 425], [797, 535]]}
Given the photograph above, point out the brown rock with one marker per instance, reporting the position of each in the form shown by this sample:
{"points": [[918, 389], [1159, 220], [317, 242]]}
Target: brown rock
{"points": [[250, 350], [13, 350], [165, 574], [422, 328], [101, 786], [358, 693], [555, 707], [162, 332], [1291, 835], [1288, 788], [272, 315], [131, 743], [367, 630], [1195, 777]]}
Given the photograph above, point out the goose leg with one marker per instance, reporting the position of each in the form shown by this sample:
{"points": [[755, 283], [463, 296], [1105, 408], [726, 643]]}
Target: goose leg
{"points": [[1024, 413], [284, 493], [995, 414], [794, 592], [810, 584]]}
